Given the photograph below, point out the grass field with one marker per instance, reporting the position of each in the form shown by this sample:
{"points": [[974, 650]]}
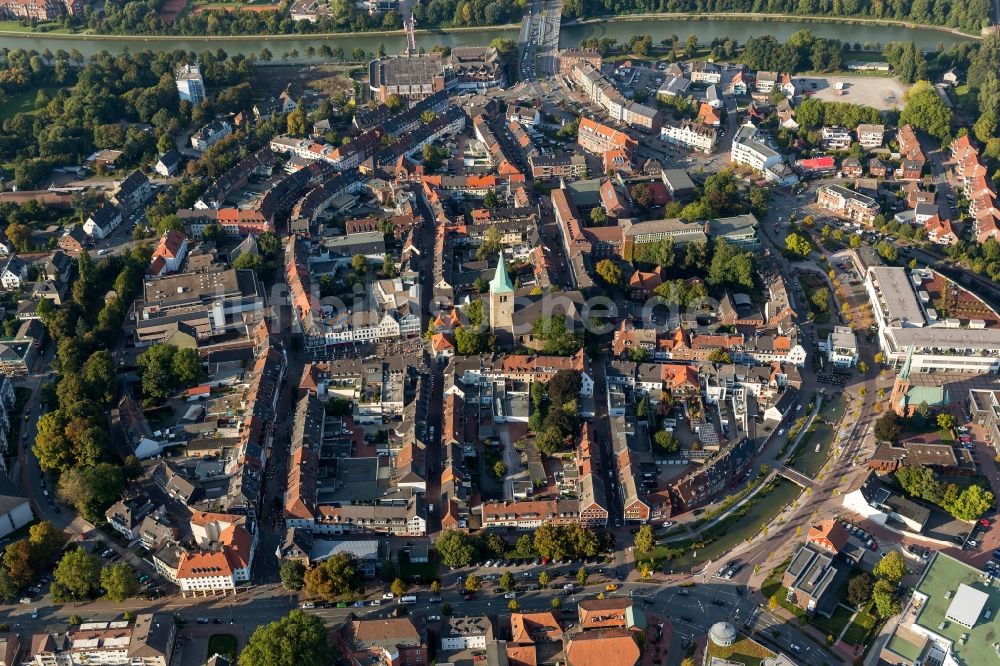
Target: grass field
{"points": [[810, 283], [832, 626], [863, 624], [23, 102], [773, 589], [42, 28], [744, 651], [738, 527]]}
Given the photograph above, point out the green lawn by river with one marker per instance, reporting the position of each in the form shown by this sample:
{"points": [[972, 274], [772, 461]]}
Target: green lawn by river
{"points": [[15, 26], [23, 102], [762, 511]]}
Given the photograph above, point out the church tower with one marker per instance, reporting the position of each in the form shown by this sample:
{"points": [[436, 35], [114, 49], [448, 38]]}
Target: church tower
{"points": [[502, 305], [901, 387]]}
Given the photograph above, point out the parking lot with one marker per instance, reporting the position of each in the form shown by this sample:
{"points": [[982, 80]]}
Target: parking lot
{"points": [[882, 93]]}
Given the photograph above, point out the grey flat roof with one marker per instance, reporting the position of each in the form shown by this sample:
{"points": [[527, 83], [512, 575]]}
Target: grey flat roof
{"points": [[897, 294], [983, 339], [842, 336], [362, 550], [967, 605]]}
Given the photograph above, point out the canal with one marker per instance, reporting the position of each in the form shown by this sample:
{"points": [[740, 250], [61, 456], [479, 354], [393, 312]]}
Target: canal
{"points": [[705, 29]]}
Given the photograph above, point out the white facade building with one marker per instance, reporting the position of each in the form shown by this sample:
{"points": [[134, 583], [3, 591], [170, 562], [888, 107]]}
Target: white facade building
{"points": [[190, 85], [842, 347], [693, 135]]}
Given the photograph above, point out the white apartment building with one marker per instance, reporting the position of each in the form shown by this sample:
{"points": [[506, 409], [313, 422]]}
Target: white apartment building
{"points": [[836, 138], [690, 134], [211, 134], [149, 641], [190, 85], [103, 221], [871, 136], [309, 149], [842, 347], [467, 633], [751, 149], [705, 72]]}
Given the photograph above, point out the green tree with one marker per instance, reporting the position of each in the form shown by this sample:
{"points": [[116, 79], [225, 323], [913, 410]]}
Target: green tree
{"points": [[119, 581], [719, 355], [820, 298], [945, 421], [642, 194], [99, 376], [469, 342], [248, 261], [492, 243], [500, 469], [394, 102], [336, 576], [46, 540], [513, 606], [886, 250], [455, 548], [507, 581], [360, 264], [798, 245], [971, 503], [555, 602], [300, 639], [642, 407], [399, 587], [925, 110], [156, 368], [556, 338], [214, 233], [472, 584], [610, 272], [598, 216], [887, 427], [45, 310], [52, 447], [645, 539], [884, 596], [187, 367], [859, 590], [666, 442], [435, 587], [92, 490], [581, 575], [544, 579], [297, 122], [891, 567], [76, 577], [293, 575], [549, 441], [19, 563]]}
